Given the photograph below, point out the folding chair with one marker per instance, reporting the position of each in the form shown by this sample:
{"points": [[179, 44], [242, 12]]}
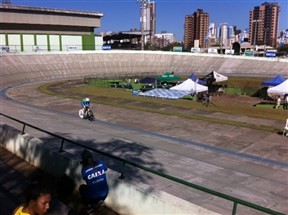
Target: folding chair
{"points": [[285, 128]]}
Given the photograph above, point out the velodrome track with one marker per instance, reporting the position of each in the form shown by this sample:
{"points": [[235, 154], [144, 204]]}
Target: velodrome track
{"points": [[23, 68], [255, 169]]}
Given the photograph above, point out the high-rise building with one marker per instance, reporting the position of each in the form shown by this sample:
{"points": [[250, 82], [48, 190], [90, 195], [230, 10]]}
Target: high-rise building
{"points": [[231, 32], [213, 30], [223, 39], [263, 24], [149, 14], [212, 36], [196, 28]]}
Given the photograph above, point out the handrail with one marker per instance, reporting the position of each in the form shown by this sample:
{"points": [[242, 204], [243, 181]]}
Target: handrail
{"points": [[235, 200]]}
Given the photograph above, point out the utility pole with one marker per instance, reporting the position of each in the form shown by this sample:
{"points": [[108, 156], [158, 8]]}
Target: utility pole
{"points": [[143, 5]]}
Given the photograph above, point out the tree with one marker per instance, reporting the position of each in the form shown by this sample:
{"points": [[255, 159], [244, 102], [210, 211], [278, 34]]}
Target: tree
{"points": [[283, 50], [170, 46]]}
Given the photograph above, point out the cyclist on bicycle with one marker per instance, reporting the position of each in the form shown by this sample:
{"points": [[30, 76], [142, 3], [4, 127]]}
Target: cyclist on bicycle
{"points": [[85, 105]]}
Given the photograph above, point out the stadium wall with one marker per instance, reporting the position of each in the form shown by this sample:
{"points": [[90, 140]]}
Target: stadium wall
{"points": [[23, 42]]}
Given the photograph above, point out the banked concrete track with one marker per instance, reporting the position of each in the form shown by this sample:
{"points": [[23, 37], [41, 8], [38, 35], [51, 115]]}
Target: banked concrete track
{"points": [[23, 68], [255, 169]]}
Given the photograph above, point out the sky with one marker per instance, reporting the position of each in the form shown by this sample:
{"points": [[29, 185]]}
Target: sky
{"points": [[122, 15]]}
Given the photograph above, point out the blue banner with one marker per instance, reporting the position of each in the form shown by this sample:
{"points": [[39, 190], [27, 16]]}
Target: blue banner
{"points": [[270, 54], [106, 47]]}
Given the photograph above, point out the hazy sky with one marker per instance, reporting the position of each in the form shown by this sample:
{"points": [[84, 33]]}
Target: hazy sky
{"points": [[122, 15]]}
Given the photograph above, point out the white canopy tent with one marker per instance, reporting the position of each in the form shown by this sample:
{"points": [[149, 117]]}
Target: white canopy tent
{"points": [[214, 77], [280, 89], [190, 86], [219, 78]]}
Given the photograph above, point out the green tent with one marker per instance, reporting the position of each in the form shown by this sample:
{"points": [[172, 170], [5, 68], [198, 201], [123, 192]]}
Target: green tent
{"points": [[168, 77]]}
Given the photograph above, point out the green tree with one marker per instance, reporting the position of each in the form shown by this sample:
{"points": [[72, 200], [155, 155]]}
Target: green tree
{"points": [[170, 46], [283, 50]]}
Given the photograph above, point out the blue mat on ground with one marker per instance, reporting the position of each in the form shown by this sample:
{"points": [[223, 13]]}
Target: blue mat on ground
{"points": [[165, 93]]}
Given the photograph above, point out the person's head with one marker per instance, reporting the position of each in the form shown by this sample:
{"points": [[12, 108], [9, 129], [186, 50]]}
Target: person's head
{"points": [[87, 157], [37, 198], [87, 100]]}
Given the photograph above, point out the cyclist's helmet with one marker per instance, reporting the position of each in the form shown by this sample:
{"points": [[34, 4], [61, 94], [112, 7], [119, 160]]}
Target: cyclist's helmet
{"points": [[87, 100]]}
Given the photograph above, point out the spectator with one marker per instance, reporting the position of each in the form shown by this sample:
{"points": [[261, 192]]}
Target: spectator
{"points": [[200, 97], [278, 102], [37, 200], [96, 188], [285, 106], [208, 99]]}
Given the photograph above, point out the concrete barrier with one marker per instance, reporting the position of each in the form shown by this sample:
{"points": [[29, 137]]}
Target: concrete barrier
{"points": [[124, 198]]}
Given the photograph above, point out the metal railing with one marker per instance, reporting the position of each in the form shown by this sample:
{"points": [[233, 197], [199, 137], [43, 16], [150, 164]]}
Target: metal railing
{"points": [[235, 201]]}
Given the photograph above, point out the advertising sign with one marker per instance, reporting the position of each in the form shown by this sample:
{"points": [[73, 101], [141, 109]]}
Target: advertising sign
{"points": [[212, 51], [106, 47], [270, 54], [195, 50], [249, 53], [5, 48], [72, 48], [177, 49], [229, 51]]}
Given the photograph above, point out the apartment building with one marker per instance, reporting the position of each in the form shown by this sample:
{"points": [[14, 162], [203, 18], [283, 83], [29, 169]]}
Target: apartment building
{"points": [[263, 24], [195, 29]]}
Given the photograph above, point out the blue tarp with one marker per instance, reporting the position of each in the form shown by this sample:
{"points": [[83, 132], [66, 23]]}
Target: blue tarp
{"points": [[165, 93], [278, 79], [197, 80]]}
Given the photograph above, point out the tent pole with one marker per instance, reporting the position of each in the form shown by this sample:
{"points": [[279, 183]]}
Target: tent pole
{"points": [[195, 94]]}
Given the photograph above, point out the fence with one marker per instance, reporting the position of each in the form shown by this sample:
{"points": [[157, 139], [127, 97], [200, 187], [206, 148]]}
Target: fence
{"points": [[44, 48], [235, 201]]}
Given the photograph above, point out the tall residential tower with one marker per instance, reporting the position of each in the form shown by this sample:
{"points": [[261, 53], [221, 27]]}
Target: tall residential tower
{"points": [[263, 24], [196, 28]]}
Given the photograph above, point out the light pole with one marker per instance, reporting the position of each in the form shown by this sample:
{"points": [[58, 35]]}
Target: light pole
{"points": [[255, 30], [265, 31], [221, 45], [143, 3]]}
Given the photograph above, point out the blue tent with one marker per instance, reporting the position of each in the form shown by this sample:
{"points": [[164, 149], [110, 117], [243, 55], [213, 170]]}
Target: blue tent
{"points": [[148, 80], [278, 79], [194, 78]]}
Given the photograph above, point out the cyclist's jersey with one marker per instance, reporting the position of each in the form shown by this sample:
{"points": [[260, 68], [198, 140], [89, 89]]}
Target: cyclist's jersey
{"points": [[85, 104]]}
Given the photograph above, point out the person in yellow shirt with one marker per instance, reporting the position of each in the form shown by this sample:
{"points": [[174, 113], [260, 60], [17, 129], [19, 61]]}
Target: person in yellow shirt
{"points": [[37, 200]]}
